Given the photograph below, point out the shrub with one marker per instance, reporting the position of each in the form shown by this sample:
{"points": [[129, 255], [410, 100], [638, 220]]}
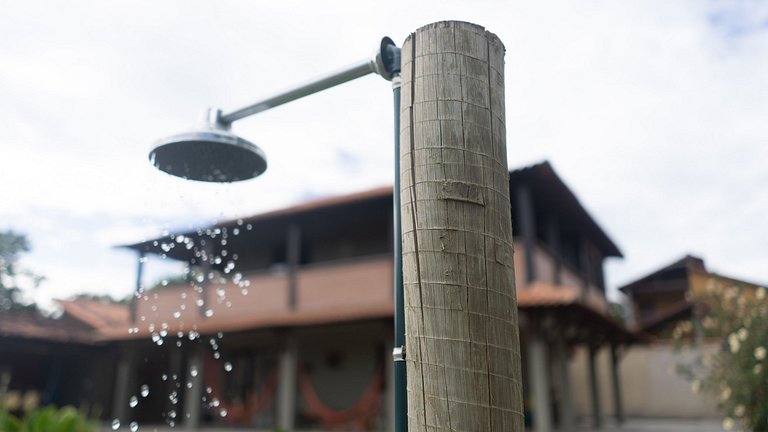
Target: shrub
{"points": [[738, 373], [48, 419]]}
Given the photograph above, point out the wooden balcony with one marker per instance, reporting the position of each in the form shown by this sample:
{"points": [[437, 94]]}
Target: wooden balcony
{"points": [[546, 268], [336, 291], [328, 292]]}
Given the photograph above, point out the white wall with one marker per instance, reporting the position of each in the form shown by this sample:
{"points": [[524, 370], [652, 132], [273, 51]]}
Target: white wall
{"points": [[650, 385]]}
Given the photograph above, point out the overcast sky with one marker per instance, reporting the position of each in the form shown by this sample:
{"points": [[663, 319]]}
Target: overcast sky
{"points": [[655, 113]]}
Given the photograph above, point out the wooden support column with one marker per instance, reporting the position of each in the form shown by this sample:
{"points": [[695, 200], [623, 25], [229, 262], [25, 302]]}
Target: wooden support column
{"points": [[565, 406], [175, 364], [618, 404], [594, 389], [600, 276], [293, 251], [538, 376], [193, 395], [205, 267], [585, 263], [138, 288], [286, 384], [527, 216], [462, 342], [125, 375], [552, 233]]}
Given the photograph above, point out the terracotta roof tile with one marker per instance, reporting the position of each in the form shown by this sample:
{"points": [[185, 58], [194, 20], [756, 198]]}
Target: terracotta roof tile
{"points": [[240, 323], [30, 325], [96, 313]]}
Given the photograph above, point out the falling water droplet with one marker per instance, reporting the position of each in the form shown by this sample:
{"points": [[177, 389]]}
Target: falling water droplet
{"points": [[115, 424], [144, 390], [133, 402], [199, 302], [216, 355], [193, 371], [228, 367], [134, 426], [209, 313], [176, 314], [172, 414], [223, 413], [164, 377]]}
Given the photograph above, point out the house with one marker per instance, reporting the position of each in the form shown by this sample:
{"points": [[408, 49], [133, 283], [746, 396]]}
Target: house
{"points": [[285, 318], [661, 299]]}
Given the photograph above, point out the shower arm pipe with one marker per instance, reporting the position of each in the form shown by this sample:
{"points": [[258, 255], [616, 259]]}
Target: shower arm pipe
{"points": [[350, 73]]}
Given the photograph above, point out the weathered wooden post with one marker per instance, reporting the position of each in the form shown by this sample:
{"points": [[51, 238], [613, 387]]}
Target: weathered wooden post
{"points": [[462, 342]]}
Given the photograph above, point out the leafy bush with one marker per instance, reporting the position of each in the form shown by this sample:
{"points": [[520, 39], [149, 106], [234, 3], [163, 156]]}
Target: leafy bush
{"points": [[48, 419], [738, 373]]}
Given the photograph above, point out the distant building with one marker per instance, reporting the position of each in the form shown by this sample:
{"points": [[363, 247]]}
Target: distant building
{"points": [[663, 298], [659, 302], [286, 318]]}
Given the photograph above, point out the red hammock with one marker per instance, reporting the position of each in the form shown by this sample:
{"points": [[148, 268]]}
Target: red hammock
{"points": [[358, 417], [239, 412]]}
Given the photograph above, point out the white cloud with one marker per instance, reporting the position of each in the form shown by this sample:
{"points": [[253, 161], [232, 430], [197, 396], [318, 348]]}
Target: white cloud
{"points": [[652, 111]]}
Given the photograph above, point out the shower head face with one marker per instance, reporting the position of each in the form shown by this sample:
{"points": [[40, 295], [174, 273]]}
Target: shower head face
{"points": [[209, 155]]}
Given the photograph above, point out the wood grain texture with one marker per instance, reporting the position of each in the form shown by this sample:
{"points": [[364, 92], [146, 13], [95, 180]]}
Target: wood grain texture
{"points": [[463, 347]]}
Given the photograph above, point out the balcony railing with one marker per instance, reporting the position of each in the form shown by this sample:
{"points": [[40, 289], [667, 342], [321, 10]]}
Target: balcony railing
{"points": [[333, 291], [324, 292], [546, 267]]}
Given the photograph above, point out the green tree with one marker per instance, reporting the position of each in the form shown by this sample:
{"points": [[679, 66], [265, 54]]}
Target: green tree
{"points": [[12, 277]]}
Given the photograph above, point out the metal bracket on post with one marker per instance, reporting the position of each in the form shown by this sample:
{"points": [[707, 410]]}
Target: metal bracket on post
{"points": [[387, 60], [398, 354]]}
